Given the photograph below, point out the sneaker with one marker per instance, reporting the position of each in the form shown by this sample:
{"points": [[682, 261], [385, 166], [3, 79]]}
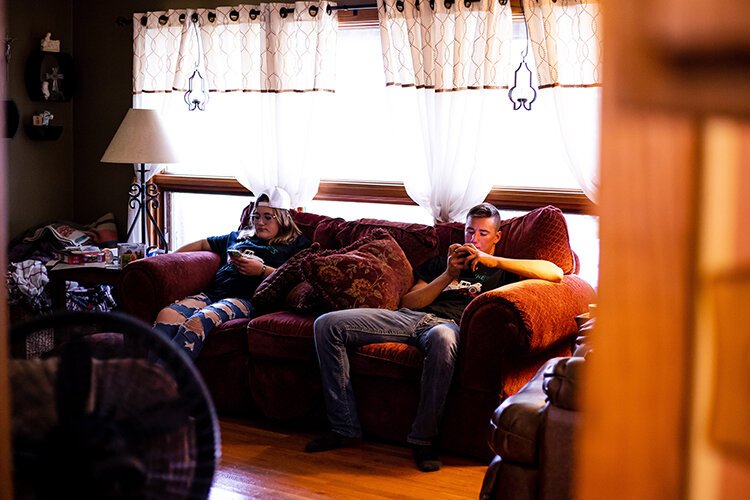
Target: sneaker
{"points": [[331, 441], [426, 458]]}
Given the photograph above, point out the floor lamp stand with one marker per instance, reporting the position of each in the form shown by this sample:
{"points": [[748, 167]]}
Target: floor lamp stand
{"points": [[143, 197]]}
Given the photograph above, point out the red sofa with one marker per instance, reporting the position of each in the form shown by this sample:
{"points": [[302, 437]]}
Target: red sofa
{"points": [[268, 364]]}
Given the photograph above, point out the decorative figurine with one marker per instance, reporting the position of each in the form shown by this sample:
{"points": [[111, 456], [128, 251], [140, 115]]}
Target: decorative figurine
{"points": [[45, 90], [42, 119], [55, 76], [49, 45]]}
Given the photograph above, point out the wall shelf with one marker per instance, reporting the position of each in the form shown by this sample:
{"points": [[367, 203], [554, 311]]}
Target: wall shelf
{"points": [[50, 76], [44, 132]]}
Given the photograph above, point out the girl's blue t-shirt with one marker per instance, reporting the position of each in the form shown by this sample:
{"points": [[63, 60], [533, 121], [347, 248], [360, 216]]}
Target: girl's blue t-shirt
{"points": [[228, 282]]}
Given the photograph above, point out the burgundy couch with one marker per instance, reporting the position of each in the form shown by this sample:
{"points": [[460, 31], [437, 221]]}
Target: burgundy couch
{"points": [[268, 364]]}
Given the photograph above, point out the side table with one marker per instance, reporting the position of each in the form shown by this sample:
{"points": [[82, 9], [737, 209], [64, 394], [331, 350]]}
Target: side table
{"points": [[85, 274]]}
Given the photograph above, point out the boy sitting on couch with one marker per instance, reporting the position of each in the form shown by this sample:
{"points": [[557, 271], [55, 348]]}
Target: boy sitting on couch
{"points": [[428, 319]]}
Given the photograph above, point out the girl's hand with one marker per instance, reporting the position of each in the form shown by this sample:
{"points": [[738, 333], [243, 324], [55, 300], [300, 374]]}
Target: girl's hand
{"points": [[247, 266]]}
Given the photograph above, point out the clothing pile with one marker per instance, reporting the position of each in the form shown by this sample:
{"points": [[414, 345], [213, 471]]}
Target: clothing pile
{"points": [[26, 277]]}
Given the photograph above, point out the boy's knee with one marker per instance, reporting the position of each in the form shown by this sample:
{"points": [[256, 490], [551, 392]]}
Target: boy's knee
{"points": [[444, 338], [323, 326], [327, 328]]}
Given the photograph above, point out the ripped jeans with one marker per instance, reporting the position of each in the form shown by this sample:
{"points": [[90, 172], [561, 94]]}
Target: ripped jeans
{"points": [[437, 338], [188, 322]]}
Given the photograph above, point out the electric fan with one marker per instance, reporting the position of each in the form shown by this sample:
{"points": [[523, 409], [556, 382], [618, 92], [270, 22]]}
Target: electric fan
{"points": [[105, 407]]}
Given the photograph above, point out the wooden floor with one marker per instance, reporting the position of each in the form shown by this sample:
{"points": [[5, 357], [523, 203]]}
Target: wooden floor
{"points": [[261, 462]]}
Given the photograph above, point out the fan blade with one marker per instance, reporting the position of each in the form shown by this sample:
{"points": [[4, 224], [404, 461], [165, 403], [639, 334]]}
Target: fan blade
{"points": [[73, 381]]}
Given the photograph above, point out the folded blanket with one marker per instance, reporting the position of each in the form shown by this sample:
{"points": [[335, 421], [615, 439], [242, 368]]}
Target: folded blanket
{"points": [[64, 233]]}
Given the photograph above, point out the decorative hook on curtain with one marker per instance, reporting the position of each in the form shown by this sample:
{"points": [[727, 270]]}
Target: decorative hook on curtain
{"points": [[196, 98], [524, 94]]}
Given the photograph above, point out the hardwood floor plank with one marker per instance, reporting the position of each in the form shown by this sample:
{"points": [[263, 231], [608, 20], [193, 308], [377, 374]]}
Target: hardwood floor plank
{"points": [[260, 462]]}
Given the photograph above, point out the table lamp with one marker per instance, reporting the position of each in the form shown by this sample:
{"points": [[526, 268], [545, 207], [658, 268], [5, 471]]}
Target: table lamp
{"points": [[141, 139]]}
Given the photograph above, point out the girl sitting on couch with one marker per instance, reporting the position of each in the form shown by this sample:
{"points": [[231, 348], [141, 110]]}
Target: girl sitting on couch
{"points": [[247, 257]]}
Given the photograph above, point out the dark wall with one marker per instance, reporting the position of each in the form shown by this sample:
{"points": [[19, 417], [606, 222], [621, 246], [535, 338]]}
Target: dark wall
{"points": [[104, 53], [40, 173], [64, 179]]}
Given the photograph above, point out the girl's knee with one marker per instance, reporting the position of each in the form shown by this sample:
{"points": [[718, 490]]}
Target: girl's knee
{"points": [[169, 316]]}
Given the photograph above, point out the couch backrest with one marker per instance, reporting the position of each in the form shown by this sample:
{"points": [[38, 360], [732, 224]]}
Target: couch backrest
{"points": [[540, 234], [418, 241]]}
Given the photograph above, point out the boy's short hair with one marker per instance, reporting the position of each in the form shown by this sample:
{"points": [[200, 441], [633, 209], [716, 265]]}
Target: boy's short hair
{"points": [[485, 210]]}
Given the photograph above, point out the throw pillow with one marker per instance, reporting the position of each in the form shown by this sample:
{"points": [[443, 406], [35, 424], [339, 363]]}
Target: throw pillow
{"points": [[272, 291], [103, 231], [302, 298], [376, 273], [310, 223]]}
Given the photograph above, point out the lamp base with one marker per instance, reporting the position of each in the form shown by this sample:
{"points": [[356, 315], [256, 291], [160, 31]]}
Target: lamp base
{"points": [[144, 198]]}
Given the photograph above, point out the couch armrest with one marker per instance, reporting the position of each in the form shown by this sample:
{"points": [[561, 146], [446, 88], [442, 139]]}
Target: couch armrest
{"points": [[562, 381], [147, 285], [519, 321]]}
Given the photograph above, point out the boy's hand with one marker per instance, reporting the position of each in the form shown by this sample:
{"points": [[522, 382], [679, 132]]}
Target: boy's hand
{"points": [[456, 260], [472, 255]]}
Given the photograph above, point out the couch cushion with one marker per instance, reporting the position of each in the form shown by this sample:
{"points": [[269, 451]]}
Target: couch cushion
{"points": [[320, 228], [449, 233], [418, 241], [539, 234], [376, 273], [227, 338], [326, 233], [390, 359], [282, 335]]}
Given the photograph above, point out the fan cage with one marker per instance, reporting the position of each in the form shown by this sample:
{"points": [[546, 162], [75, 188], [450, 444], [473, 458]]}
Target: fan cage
{"points": [[102, 405]]}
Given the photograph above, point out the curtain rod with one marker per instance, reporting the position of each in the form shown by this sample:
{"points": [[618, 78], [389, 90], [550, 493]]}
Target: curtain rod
{"points": [[124, 21]]}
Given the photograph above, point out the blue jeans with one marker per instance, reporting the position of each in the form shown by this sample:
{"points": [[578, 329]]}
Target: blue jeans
{"points": [[188, 322], [437, 338]]}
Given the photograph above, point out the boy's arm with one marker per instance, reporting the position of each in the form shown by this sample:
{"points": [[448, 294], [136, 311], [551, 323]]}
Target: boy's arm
{"points": [[526, 268], [422, 294]]}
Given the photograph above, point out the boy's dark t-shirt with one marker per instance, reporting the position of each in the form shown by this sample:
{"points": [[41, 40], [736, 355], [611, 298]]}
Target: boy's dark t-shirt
{"points": [[454, 298], [230, 283]]}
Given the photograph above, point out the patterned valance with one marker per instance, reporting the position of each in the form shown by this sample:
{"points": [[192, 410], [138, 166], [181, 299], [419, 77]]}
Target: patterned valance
{"points": [[566, 40], [446, 46], [271, 47]]}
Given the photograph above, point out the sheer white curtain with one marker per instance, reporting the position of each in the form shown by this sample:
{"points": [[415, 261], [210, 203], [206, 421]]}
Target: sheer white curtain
{"points": [[269, 70], [566, 39], [446, 68]]}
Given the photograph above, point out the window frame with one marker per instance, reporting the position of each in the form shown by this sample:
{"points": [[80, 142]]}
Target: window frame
{"points": [[572, 201]]}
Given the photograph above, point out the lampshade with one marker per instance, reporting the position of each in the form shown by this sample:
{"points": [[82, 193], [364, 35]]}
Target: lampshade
{"points": [[141, 138]]}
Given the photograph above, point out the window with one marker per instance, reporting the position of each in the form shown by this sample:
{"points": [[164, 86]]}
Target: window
{"points": [[358, 121]]}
